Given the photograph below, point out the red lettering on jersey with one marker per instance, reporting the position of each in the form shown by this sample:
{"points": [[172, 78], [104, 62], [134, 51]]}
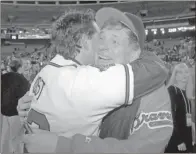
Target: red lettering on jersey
{"points": [[39, 119]]}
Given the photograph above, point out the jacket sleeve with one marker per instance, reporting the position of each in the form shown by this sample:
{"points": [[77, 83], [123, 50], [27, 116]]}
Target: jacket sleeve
{"points": [[149, 72], [82, 144], [99, 89]]}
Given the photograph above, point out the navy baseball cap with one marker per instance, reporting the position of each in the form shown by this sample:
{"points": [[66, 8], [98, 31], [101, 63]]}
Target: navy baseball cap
{"points": [[133, 22]]}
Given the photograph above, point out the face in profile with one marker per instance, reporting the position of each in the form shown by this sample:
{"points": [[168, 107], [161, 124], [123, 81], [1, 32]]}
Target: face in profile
{"points": [[111, 46], [182, 75], [86, 54]]}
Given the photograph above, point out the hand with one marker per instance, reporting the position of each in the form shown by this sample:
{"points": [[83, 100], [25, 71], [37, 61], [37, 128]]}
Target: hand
{"points": [[193, 132], [189, 121], [182, 147], [24, 104], [42, 142]]}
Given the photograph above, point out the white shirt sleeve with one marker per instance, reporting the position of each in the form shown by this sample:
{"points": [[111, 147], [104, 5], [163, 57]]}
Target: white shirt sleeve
{"points": [[87, 85]]}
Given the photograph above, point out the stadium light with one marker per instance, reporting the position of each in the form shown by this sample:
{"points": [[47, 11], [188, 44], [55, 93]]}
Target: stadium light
{"points": [[154, 31], [171, 30], [146, 31]]}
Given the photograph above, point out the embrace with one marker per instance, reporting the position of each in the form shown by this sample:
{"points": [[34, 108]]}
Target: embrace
{"points": [[100, 92]]}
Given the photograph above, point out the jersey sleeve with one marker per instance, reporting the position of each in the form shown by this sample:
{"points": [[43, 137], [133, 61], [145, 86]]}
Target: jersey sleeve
{"points": [[96, 88]]}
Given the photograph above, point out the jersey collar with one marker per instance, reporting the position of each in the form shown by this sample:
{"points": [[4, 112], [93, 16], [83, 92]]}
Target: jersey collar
{"points": [[60, 60]]}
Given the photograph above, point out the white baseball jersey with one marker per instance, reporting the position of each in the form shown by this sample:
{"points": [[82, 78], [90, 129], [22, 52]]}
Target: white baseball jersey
{"points": [[73, 99]]}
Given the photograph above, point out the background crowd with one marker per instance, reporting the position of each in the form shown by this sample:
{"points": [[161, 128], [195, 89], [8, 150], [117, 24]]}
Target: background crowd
{"points": [[29, 63]]}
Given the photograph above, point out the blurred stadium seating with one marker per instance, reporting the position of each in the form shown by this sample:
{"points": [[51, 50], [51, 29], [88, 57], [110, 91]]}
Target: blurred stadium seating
{"points": [[44, 14], [25, 25]]}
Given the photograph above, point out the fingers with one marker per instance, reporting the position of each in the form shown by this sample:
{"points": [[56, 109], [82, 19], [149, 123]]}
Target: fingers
{"points": [[182, 147], [28, 138], [23, 110], [25, 99], [24, 104], [25, 138], [23, 114]]}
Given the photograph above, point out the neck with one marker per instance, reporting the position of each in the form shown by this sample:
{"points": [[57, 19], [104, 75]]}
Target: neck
{"points": [[76, 60], [134, 56], [180, 85]]}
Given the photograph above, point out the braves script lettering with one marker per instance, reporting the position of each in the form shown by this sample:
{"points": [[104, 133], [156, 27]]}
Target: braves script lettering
{"points": [[153, 120]]}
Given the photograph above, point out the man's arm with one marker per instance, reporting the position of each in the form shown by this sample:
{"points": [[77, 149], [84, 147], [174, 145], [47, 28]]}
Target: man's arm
{"points": [[107, 88], [49, 142], [82, 144], [98, 89]]}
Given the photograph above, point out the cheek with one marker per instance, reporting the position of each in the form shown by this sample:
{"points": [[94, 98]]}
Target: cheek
{"points": [[178, 76], [118, 52], [95, 45]]}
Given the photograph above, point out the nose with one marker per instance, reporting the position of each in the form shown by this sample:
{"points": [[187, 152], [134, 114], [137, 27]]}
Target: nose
{"points": [[102, 47]]}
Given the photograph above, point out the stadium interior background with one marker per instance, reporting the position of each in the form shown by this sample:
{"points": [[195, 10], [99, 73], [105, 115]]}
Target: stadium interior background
{"points": [[25, 27]]}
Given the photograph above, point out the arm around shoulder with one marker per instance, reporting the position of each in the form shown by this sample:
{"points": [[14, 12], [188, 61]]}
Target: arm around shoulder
{"points": [[100, 88]]}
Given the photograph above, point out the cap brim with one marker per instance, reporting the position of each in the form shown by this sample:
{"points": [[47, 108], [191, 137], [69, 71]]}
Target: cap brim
{"points": [[106, 13], [138, 23]]}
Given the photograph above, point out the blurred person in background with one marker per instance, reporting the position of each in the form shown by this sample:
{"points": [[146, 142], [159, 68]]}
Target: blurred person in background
{"points": [[13, 56], [180, 89], [8, 69], [15, 66], [3, 68], [26, 69], [13, 87]]}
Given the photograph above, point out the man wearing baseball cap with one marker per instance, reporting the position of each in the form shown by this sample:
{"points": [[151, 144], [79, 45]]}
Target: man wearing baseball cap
{"points": [[151, 117]]}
